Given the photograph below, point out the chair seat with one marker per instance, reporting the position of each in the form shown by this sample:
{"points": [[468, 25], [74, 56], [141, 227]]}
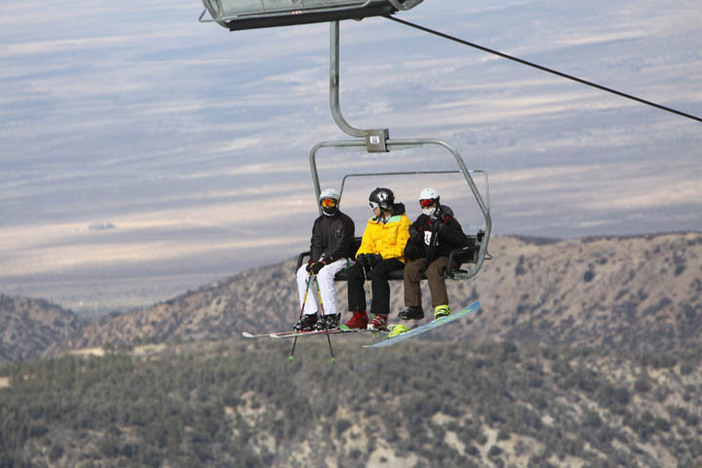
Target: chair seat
{"points": [[393, 275], [397, 275]]}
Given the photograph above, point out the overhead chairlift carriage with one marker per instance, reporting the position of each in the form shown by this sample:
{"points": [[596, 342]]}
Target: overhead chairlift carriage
{"points": [[249, 14]]}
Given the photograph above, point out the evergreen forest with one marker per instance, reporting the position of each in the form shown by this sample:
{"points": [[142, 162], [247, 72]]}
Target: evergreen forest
{"points": [[241, 403]]}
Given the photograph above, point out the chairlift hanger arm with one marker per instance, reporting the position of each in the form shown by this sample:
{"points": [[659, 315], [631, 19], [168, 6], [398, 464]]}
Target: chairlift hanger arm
{"points": [[375, 138]]}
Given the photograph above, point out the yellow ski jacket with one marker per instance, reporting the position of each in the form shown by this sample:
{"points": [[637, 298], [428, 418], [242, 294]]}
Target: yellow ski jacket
{"points": [[389, 239]]}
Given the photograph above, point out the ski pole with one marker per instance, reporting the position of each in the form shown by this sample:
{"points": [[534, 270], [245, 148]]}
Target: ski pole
{"points": [[367, 289], [302, 308], [430, 251], [321, 308]]}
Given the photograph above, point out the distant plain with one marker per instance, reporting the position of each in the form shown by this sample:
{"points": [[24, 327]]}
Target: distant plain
{"points": [[144, 154]]}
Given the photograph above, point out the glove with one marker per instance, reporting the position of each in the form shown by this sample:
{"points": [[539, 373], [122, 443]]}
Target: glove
{"points": [[314, 269], [416, 235], [372, 259], [362, 259], [438, 227], [308, 268]]}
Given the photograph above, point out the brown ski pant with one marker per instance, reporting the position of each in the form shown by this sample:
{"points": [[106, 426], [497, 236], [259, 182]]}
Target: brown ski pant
{"points": [[435, 277]]}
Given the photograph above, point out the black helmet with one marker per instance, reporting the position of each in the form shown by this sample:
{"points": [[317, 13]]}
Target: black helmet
{"points": [[383, 197]]}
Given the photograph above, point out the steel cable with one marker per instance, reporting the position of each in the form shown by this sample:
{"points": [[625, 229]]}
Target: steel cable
{"points": [[546, 69]]}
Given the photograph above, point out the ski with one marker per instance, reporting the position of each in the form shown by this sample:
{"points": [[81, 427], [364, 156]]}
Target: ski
{"points": [[287, 333], [426, 327], [294, 334], [345, 328], [279, 334], [254, 335]]}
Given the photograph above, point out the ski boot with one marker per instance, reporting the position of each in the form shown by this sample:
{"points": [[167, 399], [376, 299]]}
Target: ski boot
{"points": [[397, 330], [358, 320], [328, 322], [306, 323], [441, 311], [378, 322], [412, 313]]}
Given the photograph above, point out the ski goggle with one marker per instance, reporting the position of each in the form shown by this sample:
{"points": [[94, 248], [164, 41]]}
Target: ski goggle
{"points": [[329, 203], [426, 203], [374, 205]]}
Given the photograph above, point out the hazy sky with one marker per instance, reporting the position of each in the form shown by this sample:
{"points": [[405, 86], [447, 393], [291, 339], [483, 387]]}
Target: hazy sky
{"points": [[142, 148]]}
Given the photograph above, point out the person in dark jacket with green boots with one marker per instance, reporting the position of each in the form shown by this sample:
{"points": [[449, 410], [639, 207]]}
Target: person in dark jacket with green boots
{"points": [[433, 236]]}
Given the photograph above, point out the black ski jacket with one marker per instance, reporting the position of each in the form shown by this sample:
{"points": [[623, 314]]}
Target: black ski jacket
{"points": [[333, 237], [449, 232]]}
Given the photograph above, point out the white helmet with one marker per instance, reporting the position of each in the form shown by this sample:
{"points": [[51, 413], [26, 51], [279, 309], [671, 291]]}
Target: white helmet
{"points": [[429, 194], [329, 207], [329, 193]]}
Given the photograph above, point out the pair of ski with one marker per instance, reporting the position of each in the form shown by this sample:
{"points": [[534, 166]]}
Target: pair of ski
{"points": [[296, 334], [387, 342]]}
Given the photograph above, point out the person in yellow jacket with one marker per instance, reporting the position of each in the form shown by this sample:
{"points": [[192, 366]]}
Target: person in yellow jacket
{"points": [[381, 251]]}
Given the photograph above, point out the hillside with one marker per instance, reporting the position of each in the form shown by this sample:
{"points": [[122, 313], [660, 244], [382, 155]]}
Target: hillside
{"points": [[240, 404], [29, 326], [641, 293], [586, 354]]}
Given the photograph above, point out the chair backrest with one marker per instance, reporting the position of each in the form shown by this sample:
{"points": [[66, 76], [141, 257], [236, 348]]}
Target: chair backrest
{"points": [[468, 254]]}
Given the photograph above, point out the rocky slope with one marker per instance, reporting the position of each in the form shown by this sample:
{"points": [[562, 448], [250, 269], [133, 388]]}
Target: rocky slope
{"points": [[642, 293], [29, 326]]}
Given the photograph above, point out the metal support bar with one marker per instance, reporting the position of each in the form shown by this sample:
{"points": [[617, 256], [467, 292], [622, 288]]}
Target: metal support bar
{"points": [[486, 184], [375, 138]]}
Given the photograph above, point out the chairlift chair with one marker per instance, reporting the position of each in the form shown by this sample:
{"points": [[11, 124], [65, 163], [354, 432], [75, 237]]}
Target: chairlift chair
{"points": [[475, 253]]}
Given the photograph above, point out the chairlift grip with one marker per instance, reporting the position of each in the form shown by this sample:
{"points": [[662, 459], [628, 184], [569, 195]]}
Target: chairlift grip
{"points": [[288, 12], [407, 5]]}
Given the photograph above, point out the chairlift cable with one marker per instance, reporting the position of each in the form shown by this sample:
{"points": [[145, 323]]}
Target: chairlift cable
{"points": [[542, 68]]}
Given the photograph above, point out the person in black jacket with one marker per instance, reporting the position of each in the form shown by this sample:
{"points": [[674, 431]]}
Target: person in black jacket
{"points": [[331, 246], [433, 236]]}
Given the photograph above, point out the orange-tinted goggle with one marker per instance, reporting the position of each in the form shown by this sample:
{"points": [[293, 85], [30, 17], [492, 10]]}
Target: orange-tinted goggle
{"points": [[329, 203], [426, 203]]}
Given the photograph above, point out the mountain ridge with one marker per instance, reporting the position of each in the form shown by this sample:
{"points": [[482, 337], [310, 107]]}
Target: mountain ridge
{"points": [[634, 291], [640, 292], [29, 326]]}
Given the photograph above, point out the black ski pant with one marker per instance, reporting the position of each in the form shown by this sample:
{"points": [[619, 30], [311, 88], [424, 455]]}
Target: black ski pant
{"points": [[380, 287]]}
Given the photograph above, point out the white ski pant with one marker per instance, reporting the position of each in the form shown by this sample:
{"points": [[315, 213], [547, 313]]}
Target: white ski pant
{"points": [[325, 278]]}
